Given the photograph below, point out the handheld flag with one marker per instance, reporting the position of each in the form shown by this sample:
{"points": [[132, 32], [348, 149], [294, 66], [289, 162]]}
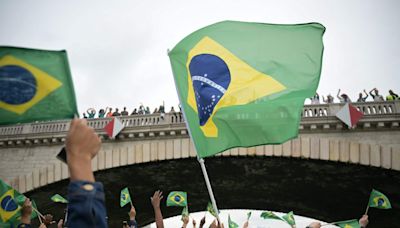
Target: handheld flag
{"points": [[248, 215], [210, 209], [269, 215], [35, 85], [58, 199], [232, 224], [114, 127], [34, 211], [9, 207], [348, 224], [125, 197], [176, 198], [349, 115], [289, 218], [244, 84], [10, 201], [379, 200]]}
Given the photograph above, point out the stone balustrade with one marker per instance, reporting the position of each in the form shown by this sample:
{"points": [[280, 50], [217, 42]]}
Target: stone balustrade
{"points": [[377, 115]]}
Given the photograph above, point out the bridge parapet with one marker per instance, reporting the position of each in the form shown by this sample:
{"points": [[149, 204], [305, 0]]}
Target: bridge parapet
{"points": [[368, 108], [315, 118]]}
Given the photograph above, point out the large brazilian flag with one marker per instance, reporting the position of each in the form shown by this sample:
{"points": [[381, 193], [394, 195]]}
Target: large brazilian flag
{"points": [[244, 84], [35, 85]]}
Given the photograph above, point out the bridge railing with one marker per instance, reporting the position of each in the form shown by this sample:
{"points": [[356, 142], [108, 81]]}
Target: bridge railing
{"points": [[315, 111], [61, 126], [368, 108]]}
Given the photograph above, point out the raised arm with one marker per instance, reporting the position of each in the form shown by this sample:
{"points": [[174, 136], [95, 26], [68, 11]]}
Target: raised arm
{"points": [[155, 201], [86, 207], [370, 92], [366, 95], [337, 95]]}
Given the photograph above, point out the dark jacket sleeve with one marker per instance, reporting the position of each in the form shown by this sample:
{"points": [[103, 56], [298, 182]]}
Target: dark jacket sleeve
{"points": [[86, 206]]}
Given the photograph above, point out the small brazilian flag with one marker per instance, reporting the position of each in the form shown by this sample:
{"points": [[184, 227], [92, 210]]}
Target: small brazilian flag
{"points": [[58, 199], [125, 197], [244, 84], [379, 200], [10, 203], [269, 215], [176, 198], [289, 218], [210, 209], [35, 85], [232, 224], [348, 224]]}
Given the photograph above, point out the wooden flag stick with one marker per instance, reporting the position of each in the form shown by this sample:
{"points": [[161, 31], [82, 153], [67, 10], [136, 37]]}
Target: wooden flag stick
{"points": [[366, 211], [328, 224], [39, 214], [66, 216]]}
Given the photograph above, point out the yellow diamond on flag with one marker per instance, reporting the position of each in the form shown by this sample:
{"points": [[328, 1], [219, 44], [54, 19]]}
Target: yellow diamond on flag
{"points": [[8, 206], [40, 84], [243, 85]]}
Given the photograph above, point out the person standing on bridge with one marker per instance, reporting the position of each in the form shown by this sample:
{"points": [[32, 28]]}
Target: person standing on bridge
{"points": [[329, 99], [392, 96], [377, 97], [361, 98], [343, 98]]}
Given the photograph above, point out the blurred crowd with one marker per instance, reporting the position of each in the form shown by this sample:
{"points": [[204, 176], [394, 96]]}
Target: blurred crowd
{"points": [[362, 97], [110, 112]]}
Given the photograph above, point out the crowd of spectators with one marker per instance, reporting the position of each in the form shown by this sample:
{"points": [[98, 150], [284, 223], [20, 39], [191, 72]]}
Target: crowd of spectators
{"points": [[142, 110], [110, 112], [344, 98]]}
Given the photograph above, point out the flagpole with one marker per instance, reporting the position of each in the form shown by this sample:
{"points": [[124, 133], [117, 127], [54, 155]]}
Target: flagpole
{"points": [[366, 211], [201, 160], [328, 224], [40, 220], [66, 216], [36, 210], [209, 188]]}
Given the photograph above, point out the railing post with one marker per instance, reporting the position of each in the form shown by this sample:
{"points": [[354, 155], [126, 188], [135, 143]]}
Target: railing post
{"points": [[396, 106]]}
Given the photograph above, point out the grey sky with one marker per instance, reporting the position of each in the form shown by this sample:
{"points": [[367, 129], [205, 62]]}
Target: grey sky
{"points": [[118, 49]]}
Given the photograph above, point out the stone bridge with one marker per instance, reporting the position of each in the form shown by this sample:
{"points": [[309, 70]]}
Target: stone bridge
{"points": [[27, 151]]}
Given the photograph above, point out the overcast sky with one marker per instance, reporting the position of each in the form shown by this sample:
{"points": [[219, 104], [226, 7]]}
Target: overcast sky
{"points": [[118, 49]]}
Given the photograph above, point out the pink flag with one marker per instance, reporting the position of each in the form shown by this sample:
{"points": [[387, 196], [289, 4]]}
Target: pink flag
{"points": [[349, 115], [114, 127]]}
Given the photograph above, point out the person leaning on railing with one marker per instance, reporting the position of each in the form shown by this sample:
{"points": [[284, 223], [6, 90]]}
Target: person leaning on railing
{"points": [[343, 98], [392, 96], [361, 98], [376, 96]]}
